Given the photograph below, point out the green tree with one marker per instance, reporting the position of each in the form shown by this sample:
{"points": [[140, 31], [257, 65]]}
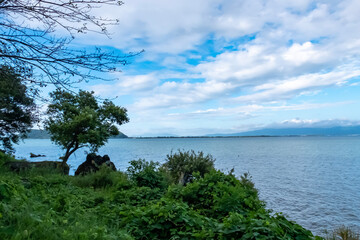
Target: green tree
{"points": [[78, 120], [16, 108]]}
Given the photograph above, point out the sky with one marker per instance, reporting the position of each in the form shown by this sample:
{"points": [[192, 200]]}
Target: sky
{"points": [[229, 66]]}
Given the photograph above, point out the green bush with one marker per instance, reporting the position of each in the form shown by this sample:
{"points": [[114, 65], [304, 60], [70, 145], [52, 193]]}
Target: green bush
{"points": [[182, 165], [137, 196], [146, 174], [260, 225], [166, 219], [104, 178], [218, 194]]}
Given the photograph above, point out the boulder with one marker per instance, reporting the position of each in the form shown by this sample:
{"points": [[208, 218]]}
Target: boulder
{"points": [[17, 166], [93, 163]]}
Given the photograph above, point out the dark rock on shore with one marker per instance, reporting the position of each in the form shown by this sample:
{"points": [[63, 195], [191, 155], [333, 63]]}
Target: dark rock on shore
{"points": [[32, 155], [18, 166], [93, 163]]}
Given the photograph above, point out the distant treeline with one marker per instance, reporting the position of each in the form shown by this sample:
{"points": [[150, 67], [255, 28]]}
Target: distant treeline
{"points": [[42, 134]]}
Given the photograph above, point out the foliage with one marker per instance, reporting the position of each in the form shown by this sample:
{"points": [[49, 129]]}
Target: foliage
{"points": [[104, 178], [136, 196], [261, 225], [166, 219], [16, 108], [343, 233], [217, 194], [34, 209], [112, 205], [28, 39], [145, 173], [5, 158], [183, 164], [78, 120]]}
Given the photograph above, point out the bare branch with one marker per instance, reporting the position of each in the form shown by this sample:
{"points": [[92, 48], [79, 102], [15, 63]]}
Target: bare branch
{"points": [[49, 58]]}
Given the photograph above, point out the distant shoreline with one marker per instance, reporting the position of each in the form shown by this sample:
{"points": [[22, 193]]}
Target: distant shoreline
{"points": [[203, 137], [260, 136], [338, 131]]}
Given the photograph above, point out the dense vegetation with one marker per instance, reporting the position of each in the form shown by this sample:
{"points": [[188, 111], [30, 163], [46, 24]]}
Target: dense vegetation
{"points": [[145, 202]]}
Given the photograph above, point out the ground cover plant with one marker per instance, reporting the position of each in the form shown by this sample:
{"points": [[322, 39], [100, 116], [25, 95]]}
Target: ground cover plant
{"points": [[144, 202]]}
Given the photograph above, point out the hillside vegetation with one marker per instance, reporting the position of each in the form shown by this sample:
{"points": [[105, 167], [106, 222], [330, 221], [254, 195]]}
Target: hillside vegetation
{"points": [[148, 201], [42, 134]]}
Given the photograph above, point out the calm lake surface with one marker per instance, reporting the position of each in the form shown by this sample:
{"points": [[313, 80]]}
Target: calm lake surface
{"points": [[314, 181]]}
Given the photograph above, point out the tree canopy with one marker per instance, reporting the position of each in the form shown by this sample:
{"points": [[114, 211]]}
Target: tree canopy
{"points": [[16, 108], [78, 120], [27, 39]]}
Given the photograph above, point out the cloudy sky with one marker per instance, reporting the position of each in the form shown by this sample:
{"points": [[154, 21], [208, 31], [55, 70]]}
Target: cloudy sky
{"points": [[213, 66]]}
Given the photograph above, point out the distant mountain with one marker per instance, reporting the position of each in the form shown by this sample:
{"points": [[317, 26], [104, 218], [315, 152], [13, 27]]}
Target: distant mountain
{"points": [[42, 134], [331, 131], [120, 135]]}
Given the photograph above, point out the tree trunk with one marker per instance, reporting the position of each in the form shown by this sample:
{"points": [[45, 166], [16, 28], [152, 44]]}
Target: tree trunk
{"points": [[66, 157], [69, 151]]}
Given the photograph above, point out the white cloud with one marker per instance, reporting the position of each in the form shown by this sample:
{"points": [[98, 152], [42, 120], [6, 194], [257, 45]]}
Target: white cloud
{"points": [[176, 26], [297, 49], [252, 110], [127, 85], [299, 54], [290, 88], [221, 120], [175, 94]]}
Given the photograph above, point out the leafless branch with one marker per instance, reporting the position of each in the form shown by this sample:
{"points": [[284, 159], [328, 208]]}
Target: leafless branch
{"points": [[51, 59]]}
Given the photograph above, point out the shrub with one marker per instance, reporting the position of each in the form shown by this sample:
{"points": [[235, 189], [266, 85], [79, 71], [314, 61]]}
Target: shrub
{"points": [[182, 165], [146, 174], [103, 178], [217, 194], [260, 225], [166, 219], [137, 196], [343, 233]]}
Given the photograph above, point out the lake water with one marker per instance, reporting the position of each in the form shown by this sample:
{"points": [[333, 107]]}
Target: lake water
{"points": [[314, 181]]}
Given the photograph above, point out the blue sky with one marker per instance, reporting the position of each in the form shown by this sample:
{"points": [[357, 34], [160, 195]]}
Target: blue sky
{"points": [[213, 66]]}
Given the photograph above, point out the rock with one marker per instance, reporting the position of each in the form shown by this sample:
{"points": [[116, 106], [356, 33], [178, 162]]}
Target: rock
{"points": [[18, 166], [36, 155], [63, 167], [93, 163]]}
